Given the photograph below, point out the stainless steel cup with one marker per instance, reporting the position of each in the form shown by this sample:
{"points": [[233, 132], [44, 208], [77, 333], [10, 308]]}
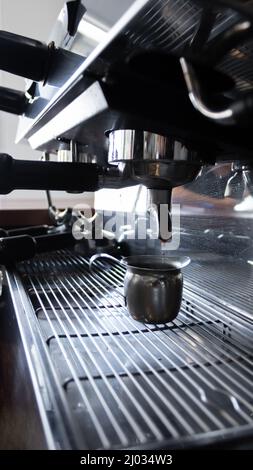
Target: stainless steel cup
{"points": [[153, 286]]}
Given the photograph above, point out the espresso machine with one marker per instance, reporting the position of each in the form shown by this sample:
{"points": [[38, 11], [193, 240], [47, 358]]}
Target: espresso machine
{"points": [[161, 103]]}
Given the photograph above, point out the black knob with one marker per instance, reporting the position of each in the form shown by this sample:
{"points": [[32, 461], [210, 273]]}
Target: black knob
{"points": [[12, 101], [24, 56], [13, 249], [23, 247]]}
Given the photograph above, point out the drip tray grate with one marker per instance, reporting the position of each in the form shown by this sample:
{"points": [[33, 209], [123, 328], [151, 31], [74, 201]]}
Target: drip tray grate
{"points": [[128, 384]]}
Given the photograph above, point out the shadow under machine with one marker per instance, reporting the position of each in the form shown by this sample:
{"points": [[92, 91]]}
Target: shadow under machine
{"points": [[152, 103]]}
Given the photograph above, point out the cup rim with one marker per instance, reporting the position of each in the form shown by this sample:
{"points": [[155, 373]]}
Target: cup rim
{"points": [[166, 263]]}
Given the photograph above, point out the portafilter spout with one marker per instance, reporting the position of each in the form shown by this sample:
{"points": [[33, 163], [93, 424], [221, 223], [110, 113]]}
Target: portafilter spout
{"points": [[158, 162]]}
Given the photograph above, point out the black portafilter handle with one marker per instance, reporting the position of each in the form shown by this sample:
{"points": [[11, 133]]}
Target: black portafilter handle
{"points": [[24, 56], [24, 174], [23, 247], [52, 242], [34, 231]]}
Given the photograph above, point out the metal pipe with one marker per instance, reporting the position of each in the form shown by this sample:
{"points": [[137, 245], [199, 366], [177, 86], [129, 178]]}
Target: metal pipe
{"points": [[195, 95]]}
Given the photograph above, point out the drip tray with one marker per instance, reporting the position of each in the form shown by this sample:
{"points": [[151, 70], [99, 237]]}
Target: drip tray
{"points": [[131, 385]]}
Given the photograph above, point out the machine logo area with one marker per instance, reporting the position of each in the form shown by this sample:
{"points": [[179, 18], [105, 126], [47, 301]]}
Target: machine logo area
{"points": [[155, 224]]}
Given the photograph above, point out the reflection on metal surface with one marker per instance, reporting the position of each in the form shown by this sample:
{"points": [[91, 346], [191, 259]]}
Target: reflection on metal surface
{"points": [[142, 145], [158, 162], [78, 111], [72, 152], [91, 31]]}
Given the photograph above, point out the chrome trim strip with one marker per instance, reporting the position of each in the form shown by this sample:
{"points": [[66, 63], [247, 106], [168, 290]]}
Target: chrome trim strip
{"points": [[80, 110]]}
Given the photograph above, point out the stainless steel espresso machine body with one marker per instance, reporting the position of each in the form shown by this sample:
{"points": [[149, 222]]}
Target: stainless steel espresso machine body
{"points": [[147, 105]]}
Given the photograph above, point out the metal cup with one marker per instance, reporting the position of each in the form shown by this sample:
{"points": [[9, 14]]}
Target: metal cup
{"points": [[153, 286]]}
